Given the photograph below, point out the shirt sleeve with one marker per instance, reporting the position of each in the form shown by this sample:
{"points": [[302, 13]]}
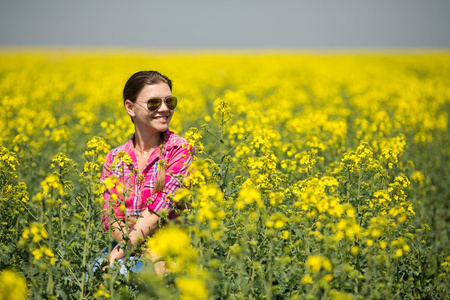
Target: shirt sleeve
{"points": [[178, 161]]}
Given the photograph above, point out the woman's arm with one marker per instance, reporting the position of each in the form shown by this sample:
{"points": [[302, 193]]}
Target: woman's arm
{"points": [[144, 227], [117, 230]]}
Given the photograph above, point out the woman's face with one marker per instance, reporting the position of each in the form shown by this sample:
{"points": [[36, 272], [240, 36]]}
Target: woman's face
{"points": [[153, 121]]}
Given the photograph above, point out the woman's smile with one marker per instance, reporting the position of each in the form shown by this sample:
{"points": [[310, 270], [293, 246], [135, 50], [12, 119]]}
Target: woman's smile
{"points": [[162, 119]]}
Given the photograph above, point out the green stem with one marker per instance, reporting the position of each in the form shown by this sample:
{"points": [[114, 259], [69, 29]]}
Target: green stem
{"points": [[85, 249], [269, 283], [215, 136], [50, 246], [86, 239], [25, 206], [348, 186]]}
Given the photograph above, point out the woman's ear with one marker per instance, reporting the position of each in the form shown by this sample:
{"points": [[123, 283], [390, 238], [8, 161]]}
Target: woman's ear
{"points": [[129, 106]]}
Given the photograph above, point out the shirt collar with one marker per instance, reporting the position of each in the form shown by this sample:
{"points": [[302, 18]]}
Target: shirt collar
{"points": [[169, 142]]}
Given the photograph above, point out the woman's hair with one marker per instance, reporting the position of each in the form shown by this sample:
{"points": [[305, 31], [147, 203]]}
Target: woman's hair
{"points": [[132, 88], [139, 80], [160, 182]]}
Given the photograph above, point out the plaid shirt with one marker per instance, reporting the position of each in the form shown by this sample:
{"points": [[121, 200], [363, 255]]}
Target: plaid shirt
{"points": [[139, 193]]}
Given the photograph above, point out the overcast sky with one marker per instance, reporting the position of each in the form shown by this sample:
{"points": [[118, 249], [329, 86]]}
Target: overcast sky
{"points": [[226, 23]]}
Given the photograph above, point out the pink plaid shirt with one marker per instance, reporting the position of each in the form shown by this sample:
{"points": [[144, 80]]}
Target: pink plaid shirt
{"points": [[139, 193]]}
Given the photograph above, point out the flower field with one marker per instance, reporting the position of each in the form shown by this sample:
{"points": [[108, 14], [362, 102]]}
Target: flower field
{"points": [[318, 176]]}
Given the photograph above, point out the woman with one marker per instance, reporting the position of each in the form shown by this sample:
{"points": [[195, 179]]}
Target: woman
{"points": [[133, 203]]}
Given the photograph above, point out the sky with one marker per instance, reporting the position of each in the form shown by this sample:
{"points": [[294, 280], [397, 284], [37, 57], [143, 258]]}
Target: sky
{"points": [[175, 24]]}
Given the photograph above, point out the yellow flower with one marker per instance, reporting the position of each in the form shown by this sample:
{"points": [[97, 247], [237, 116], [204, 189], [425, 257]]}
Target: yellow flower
{"points": [[9, 158], [306, 279], [36, 238], [249, 196], [124, 157], [52, 182], [269, 224], [181, 194], [101, 293], [48, 252], [170, 241], [326, 264], [26, 234], [328, 277], [418, 176], [336, 295], [279, 224], [191, 288], [376, 232], [34, 229], [98, 145], [278, 220], [316, 263], [240, 205], [37, 253], [44, 233], [354, 250], [192, 135], [13, 286], [110, 182], [221, 215]]}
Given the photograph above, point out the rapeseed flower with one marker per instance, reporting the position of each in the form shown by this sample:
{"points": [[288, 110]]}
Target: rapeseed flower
{"points": [[52, 183], [13, 286], [306, 279], [191, 288], [316, 263], [170, 242]]}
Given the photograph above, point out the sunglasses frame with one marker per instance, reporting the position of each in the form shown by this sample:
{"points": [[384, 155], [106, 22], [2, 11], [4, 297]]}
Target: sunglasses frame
{"points": [[160, 103]]}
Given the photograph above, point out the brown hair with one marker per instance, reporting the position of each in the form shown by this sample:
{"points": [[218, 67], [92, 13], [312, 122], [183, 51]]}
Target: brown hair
{"points": [[160, 181], [132, 88], [139, 80]]}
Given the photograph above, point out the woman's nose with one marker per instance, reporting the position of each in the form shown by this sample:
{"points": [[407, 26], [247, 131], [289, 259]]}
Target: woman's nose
{"points": [[163, 107]]}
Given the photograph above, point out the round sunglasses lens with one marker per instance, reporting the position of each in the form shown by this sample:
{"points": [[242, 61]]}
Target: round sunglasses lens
{"points": [[171, 102], [154, 104]]}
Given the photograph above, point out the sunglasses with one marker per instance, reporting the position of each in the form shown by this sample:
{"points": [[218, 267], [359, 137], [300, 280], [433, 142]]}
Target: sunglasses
{"points": [[155, 103]]}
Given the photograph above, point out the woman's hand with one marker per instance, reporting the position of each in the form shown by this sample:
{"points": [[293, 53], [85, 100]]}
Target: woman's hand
{"points": [[115, 254], [144, 227]]}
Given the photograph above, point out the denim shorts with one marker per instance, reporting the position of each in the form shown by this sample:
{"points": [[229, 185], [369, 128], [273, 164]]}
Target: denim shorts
{"points": [[136, 263]]}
